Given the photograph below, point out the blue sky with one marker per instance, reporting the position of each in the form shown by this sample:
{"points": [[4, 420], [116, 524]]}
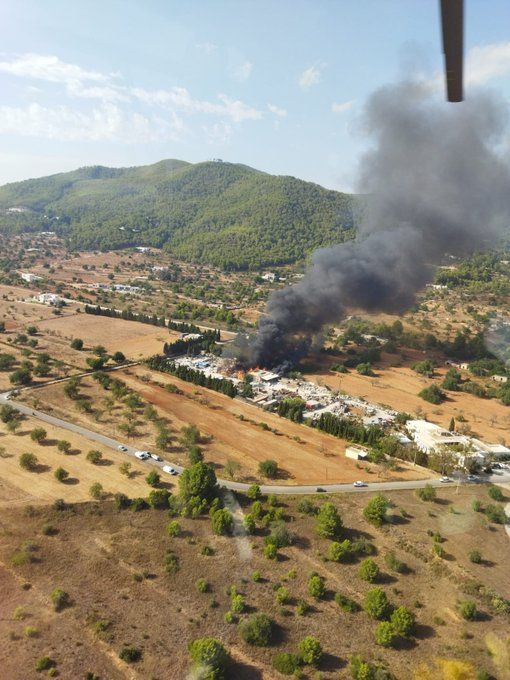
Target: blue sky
{"points": [[278, 85]]}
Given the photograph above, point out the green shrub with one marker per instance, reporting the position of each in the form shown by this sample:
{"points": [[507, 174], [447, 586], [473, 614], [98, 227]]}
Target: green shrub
{"points": [[427, 493], [283, 595], [209, 655], [222, 522], [433, 394], [138, 504], [306, 506], [229, 617], [44, 663], [130, 654], [310, 650], [340, 552], [286, 663], [30, 632], [28, 461], [475, 556], [384, 634], [346, 603], [94, 457], [403, 621], [206, 550], [468, 610], [96, 491], [201, 585], [477, 505], [256, 576], [316, 586], [393, 563], [173, 529], [153, 478], [328, 523], [376, 603], [254, 493], [270, 551], [302, 608], [60, 599], [368, 570], [256, 630], [496, 514], [496, 494], [268, 468], [376, 509], [237, 604]]}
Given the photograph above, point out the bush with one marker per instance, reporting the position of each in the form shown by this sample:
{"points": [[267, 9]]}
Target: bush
{"points": [[77, 344], [254, 493], [496, 514], [475, 556], [38, 435], [279, 535], [496, 494], [256, 576], [130, 654], [346, 603], [121, 501], [96, 491], [316, 586], [159, 499], [270, 551], [202, 586], [60, 599], [237, 603], [94, 457], [222, 522], [268, 468], [384, 634], [286, 663], [467, 610], [477, 505], [328, 523], [30, 632], [44, 663], [368, 570], [64, 446], [340, 552], [306, 506], [249, 524], [428, 493], [402, 620], [153, 478], [28, 461], [60, 474], [393, 563], [210, 655], [257, 630], [433, 394], [302, 608], [310, 650], [138, 504], [173, 529], [195, 454], [365, 369], [283, 595], [376, 509], [376, 603]]}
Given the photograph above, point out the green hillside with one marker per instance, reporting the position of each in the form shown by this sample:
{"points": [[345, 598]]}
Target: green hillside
{"points": [[220, 213]]}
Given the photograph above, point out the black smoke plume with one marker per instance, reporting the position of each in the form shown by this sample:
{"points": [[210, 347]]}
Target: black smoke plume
{"points": [[435, 183]]}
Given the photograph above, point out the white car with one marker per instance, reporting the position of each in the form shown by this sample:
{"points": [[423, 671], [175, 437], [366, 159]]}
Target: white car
{"points": [[169, 469], [472, 478], [142, 455], [121, 447], [445, 480], [359, 484], [155, 456]]}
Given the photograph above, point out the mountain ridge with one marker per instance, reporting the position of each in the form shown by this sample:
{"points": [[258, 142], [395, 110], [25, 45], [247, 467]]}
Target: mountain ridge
{"points": [[226, 214]]}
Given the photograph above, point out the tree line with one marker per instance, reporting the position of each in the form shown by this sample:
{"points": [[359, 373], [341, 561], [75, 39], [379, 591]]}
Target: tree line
{"points": [[223, 385]]}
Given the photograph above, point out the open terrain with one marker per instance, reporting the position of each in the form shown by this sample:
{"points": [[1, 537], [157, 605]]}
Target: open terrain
{"points": [[112, 565], [232, 431]]}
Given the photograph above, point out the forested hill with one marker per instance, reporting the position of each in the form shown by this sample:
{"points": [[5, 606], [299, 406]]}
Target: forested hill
{"points": [[221, 213]]}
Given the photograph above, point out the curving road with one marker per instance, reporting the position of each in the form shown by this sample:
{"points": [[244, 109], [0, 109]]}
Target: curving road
{"points": [[240, 486]]}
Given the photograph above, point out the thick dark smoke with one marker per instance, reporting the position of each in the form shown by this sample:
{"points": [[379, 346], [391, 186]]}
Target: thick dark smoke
{"points": [[435, 184]]}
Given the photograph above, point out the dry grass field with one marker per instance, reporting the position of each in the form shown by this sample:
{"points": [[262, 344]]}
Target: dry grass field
{"points": [[112, 565], [232, 430], [18, 486]]}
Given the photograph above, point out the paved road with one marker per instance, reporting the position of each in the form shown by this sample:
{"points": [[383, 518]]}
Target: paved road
{"points": [[239, 486]]}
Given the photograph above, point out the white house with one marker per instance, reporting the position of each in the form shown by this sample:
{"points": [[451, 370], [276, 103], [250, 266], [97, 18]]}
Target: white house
{"points": [[269, 276], [356, 453], [49, 298], [429, 437], [30, 278], [500, 378]]}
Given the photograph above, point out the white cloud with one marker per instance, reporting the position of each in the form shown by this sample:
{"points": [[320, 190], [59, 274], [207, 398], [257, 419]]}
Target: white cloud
{"points": [[206, 47], [115, 115], [310, 76], [49, 68], [280, 113], [107, 122], [243, 71], [337, 107], [485, 62], [218, 133]]}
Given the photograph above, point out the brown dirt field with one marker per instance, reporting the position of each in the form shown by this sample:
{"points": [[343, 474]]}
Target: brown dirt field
{"points": [[96, 552], [398, 388], [318, 458], [135, 340], [18, 486]]}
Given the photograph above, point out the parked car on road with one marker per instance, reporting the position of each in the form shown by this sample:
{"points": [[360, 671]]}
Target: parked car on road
{"points": [[142, 455], [445, 479], [169, 469], [155, 456], [359, 484], [121, 447]]}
